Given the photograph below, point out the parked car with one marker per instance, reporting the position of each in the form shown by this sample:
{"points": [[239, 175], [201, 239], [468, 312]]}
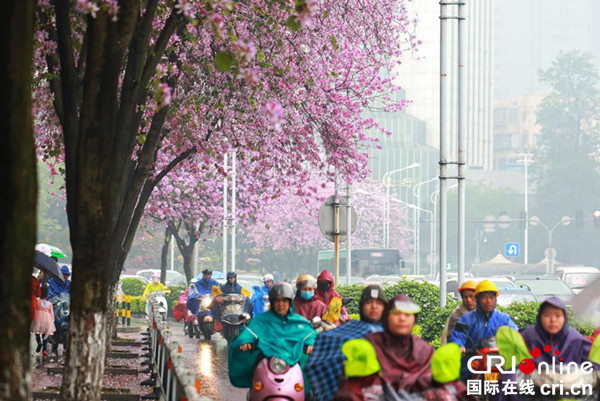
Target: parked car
{"points": [[515, 294], [173, 278], [577, 277], [546, 286], [140, 278], [499, 282]]}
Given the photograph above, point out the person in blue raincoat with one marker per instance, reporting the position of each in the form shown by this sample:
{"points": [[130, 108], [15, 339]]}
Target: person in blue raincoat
{"points": [[206, 283], [57, 287], [203, 286], [260, 293], [481, 323], [231, 286], [281, 333]]}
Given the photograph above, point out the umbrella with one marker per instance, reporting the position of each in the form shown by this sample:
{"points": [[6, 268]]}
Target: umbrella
{"points": [[47, 265], [326, 363], [50, 250]]}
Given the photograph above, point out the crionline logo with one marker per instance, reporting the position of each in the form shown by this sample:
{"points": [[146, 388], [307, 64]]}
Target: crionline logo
{"points": [[528, 366]]}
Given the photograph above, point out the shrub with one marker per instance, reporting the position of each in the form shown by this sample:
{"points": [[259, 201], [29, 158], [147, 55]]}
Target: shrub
{"points": [[432, 317], [133, 287]]}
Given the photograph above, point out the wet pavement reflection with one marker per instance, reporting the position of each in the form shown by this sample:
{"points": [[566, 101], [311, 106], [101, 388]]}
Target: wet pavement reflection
{"points": [[209, 360]]}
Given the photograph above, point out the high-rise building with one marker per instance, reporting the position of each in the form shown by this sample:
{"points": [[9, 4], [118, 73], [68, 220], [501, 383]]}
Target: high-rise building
{"points": [[515, 129], [420, 77], [530, 34]]}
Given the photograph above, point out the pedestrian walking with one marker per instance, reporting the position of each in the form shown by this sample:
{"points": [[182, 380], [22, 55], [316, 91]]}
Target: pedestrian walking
{"points": [[43, 323]]}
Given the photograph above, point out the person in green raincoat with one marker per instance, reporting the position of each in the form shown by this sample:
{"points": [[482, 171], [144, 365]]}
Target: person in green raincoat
{"points": [[278, 332]]}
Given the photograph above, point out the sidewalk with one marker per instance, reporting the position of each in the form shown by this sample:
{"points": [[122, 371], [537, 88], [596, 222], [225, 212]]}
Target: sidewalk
{"points": [[122, 372]]}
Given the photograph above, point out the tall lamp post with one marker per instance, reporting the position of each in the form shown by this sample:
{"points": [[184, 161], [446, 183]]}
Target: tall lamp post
{"points": [[526, 159], [564, 221], [417, 238], [386, 220], [417, 227]]}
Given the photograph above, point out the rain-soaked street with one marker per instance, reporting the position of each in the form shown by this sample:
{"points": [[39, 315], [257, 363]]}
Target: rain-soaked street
{"points": [[209, 359]]}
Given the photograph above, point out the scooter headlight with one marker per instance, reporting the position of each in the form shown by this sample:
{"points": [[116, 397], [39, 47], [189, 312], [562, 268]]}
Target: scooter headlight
{"points": [[278, 365], [206, 302]]}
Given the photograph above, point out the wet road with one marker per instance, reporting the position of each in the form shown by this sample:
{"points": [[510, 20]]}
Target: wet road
{"points": [[209, 360]]}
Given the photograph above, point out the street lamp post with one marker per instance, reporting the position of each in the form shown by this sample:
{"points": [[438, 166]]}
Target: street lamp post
{"points": [[564, 221], [526, 159], [386, 220], [416, 209], [417, 238]]}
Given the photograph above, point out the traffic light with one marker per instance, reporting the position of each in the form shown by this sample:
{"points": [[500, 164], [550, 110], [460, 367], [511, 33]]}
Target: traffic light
{"points": [[597, 218], [578, 218]]}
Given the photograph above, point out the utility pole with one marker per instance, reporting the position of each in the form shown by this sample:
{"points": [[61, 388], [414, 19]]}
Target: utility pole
{"points": [[225, 215], [526, 159], [233, 206]]}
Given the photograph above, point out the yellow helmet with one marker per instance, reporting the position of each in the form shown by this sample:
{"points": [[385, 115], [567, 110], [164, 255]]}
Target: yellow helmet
{"points": [[306, 280], [468, 285], [486, 286]]}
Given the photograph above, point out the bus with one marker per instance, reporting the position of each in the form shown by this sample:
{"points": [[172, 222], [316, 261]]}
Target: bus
{"points": [[365, 262]]}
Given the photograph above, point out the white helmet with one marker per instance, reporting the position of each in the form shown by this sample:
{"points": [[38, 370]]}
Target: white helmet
{"points": [[268, 277]]}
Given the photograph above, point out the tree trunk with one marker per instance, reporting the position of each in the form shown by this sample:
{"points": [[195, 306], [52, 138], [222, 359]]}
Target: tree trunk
{"points": [[164, 254], [18, 197], [188, 255]]}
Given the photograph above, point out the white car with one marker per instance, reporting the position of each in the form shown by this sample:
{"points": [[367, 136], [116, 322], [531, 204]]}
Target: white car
{"points": [[173, 278], [577, 277]]}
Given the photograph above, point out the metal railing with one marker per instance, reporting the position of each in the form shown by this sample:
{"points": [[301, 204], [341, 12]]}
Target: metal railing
{"points": [[174, 380]]}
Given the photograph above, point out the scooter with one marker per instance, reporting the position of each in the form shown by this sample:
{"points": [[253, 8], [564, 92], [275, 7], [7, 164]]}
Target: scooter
{"points": [[275, 379], [232, 307], [61, 305], [159, 296], [205, 319]]}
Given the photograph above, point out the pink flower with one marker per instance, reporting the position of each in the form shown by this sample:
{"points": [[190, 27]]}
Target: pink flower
{"points": [[246, 50], [218, 25], [164, 95], [185, 7], [112, 7], [249, 75], [87, 7], [274, 112]]}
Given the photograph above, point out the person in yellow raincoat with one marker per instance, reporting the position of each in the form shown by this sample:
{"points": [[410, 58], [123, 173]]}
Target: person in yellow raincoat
{"points": [[155, 285]]}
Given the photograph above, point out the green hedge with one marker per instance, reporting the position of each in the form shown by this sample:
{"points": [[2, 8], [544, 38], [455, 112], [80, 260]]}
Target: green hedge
{"points": [[138, 303], [432, 317], [133, 287]]}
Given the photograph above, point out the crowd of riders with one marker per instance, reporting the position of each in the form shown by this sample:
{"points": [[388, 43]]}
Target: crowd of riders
{"points": [[378, 357]]}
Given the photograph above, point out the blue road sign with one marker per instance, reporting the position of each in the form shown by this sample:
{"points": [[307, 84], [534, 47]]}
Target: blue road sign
{"points": [[512, 249]]}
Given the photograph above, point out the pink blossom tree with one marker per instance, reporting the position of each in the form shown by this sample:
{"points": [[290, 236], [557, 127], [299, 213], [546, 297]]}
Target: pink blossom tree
{"points": [[289, 223], [138, 88]]}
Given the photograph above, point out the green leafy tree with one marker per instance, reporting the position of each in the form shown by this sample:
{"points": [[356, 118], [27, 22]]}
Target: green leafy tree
{"points": [[566, 170]]}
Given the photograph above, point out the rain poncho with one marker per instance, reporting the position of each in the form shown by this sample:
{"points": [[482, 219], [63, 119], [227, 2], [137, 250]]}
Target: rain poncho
{"points": [[326, 297], [204, 287], [310, 308], [57, 287], [479, 325], [152, 287], [258, 298], [280, 336], [325, 366], [573, 347], [451, 322], [231, 288]]}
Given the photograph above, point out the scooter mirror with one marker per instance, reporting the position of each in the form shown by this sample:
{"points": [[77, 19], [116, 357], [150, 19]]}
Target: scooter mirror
{"points": [[245, 318], [316, 322]]}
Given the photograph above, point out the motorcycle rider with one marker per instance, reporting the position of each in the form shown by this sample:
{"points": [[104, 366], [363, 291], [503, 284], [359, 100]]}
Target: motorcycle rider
{"points": [[305, 302], [328, 348], [261, 292], [325, 292], [481, 323], [206, 283], [154, 286], [281, 332], [231, 286], [57, 287], [467, 295]]}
